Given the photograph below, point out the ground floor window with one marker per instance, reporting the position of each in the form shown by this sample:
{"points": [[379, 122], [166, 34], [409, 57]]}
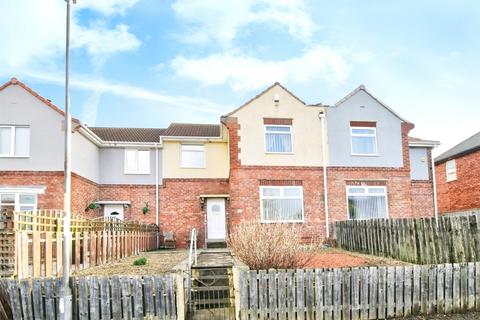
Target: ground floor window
{"points": [[367, 202], [281, 204], [18, 201]]}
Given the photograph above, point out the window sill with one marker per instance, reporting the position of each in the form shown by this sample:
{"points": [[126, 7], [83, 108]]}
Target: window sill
{"points": [[282, 221], [364, 155], [193, 167], [15, 157], [279, 153], [136, 173]]}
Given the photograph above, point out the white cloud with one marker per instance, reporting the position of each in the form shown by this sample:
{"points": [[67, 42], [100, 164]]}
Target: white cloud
{"points": [[107, 7], [35, 31], [102, 86], [249, 73], [213, 20]]}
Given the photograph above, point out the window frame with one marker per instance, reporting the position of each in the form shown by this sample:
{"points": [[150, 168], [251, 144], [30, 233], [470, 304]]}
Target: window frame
{"points": [[204, 166], [367, 194], [451, 175], [265, 131], [125, 171], [363, 135], [13, 129], [262, 220], [16, 201]]}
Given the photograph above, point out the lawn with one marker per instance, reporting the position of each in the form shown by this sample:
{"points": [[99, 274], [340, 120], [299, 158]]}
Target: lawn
{"points": [[338, 258], [159, 261]]}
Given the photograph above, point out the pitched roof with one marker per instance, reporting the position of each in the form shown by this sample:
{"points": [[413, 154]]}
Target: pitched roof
{"points": [[128, 134], [467, 146], [192, 130], [14, 81], [362, 88], [261, 94], [152, 135]]}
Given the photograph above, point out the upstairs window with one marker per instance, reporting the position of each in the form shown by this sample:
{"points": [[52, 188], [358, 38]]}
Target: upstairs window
{"points": [[14, 141], [192, 156], [364, 141], [278, 139], [367, 202], [137, 161], [281, 204], [451, 170]]}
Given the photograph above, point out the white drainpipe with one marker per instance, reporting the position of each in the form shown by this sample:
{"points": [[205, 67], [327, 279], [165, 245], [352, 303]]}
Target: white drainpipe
{"points": [[156, 191], [321, 115]]}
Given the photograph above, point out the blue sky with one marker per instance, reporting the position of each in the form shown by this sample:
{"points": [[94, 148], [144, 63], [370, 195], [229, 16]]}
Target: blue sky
{"points": [[146, 63]]}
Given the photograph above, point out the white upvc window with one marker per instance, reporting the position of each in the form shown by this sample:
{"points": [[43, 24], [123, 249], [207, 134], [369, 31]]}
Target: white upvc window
{"points": [[367, 202], [137, 161], [14, 141], [281, 204], [364, 141], [451, 170], [18, 201], [192, 156], [278, 139]]}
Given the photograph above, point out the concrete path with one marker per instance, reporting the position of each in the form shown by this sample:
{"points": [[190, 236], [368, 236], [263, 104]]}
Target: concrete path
{"points": [[214, 258]]}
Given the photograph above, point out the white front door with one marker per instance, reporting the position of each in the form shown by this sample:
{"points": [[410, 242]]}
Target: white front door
{"points": [[113, 211], [216, 229]]}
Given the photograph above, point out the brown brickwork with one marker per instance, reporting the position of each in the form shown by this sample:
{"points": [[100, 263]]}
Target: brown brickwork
{"points": [[463, 193], [138, 195], [180, 208], [422, 198]]}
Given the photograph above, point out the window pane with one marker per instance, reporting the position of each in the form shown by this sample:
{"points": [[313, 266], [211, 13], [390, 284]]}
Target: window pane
{"points": [[364, 145], [192, 147], [292, 192], [28, 199], [143, 161], [193, 159], [7, 198], [22, 142], [367, 207], [356, 190], [271, 192], [363, 131], [27, 208], [282, 209], [376, 190], [130, 161], [278, 129], [278, 142], [5, 141]]}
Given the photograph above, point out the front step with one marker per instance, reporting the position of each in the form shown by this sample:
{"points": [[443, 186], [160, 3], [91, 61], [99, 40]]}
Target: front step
{"points": [[216, 244]]}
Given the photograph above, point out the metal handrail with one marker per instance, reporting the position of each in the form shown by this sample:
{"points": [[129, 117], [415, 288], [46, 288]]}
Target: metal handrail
{"points": [[192, 256]]}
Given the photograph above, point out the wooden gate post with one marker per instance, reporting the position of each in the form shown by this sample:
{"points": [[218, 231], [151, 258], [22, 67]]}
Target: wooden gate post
{"points": [[237, 269]]}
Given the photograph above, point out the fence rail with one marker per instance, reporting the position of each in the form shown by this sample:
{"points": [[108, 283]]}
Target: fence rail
{"points": [[423, 241], [94, 298], [359, 293], [31, 242]]}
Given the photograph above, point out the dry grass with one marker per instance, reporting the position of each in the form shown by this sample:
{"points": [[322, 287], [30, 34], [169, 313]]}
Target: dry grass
{"points": [[265, 246], [160, 261]]}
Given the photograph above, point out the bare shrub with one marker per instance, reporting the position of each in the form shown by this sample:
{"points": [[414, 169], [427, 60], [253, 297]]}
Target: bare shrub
{"points": [[266, 246]]}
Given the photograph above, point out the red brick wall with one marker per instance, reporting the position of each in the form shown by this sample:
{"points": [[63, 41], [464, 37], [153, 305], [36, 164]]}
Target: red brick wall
{"points": [[138, 195], [53, 181], [463, 193], [180, 209], [422, 198], [84, 192]]}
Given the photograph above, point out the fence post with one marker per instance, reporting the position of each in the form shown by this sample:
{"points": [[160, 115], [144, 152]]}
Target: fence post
{"points": [[180, 294], [237, 269]]}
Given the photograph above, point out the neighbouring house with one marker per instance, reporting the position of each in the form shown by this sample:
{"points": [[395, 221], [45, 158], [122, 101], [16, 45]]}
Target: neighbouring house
{"points": [[274, 159], [458, 178]]}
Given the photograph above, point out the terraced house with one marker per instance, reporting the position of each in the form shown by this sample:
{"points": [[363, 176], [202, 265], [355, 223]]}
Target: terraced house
{"points": [[274, 159]]}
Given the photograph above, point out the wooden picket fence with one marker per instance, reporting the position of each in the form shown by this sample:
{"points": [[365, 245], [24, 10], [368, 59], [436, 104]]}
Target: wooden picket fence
{"points": [[31, 242], [96, 297], [423, 241], [359, 293]]}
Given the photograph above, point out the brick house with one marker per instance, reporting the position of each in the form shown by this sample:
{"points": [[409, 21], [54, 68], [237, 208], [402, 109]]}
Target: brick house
{"points": [[458, 178], [274, 159]]}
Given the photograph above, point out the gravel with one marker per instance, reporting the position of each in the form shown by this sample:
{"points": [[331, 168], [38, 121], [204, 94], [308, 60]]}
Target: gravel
{"points": [[160, 261]]}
